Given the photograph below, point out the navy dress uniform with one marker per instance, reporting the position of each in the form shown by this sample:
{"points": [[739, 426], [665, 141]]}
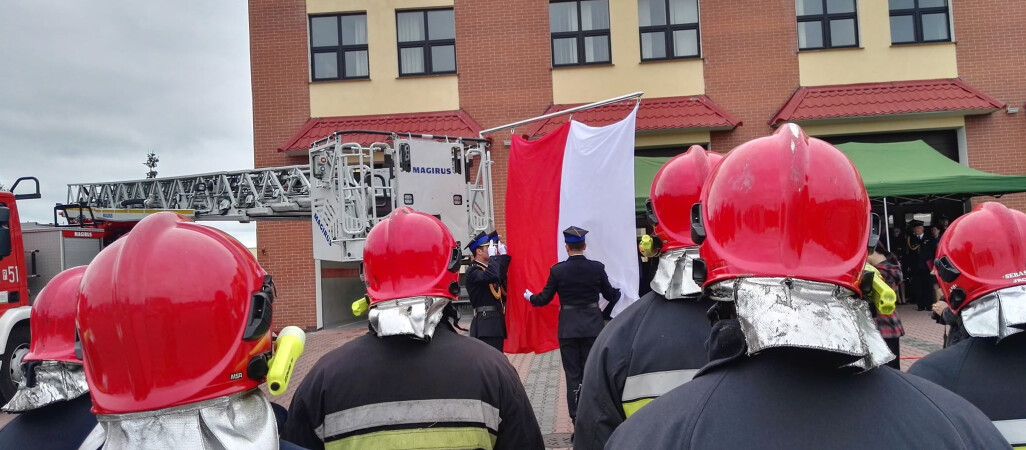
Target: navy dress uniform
{"points": [[919, 251], [485, 287], [579, 282]]}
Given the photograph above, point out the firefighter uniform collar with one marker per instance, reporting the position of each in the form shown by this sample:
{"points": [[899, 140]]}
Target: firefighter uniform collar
{"points": [[789, 312], [998, 314], [242, 420], [56, 381], [673, 279], [415, 317]]}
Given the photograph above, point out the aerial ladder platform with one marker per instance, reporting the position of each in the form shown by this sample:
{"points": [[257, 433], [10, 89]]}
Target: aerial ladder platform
{"points": [[346, 189]]}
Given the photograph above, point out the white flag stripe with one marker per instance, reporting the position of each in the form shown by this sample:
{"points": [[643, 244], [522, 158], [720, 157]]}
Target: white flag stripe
{"points": [[597, 193]]}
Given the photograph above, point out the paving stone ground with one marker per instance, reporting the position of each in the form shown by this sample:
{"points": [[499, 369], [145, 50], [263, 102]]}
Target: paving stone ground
{"points": [[542, 374]]}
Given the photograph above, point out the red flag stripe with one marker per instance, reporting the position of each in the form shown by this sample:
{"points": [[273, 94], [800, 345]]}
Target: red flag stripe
{"points": [[532, 216]]}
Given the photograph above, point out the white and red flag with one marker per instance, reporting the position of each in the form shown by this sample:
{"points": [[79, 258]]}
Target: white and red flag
{"points": [[576, 175]]}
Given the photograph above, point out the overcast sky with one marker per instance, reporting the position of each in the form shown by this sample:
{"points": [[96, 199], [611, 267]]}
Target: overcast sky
{"points": [[87, 88]]}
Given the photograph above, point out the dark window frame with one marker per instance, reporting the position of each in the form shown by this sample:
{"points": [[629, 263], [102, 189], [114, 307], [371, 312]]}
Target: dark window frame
{"points": [[917, 21], [824, 19], [668, 29], [579, 37], [426, 44], [340, 49]]}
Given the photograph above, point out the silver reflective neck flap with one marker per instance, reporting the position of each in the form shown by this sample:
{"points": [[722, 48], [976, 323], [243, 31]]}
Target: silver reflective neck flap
{"points": [[788, 312], [416, 317], [673, 277], [997, 314], [56, 381], [242, 420]]}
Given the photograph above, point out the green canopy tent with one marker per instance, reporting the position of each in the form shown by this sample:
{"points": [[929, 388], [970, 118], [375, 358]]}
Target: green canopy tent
{"points": [[913, 170], [896, 172], [645, 168]]}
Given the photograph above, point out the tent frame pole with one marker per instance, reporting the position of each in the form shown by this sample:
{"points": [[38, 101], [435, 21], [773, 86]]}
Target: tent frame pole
{"points": [[887, 226]]}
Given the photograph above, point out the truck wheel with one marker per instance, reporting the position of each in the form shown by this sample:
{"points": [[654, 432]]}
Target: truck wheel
{"points": [[10, 367]]}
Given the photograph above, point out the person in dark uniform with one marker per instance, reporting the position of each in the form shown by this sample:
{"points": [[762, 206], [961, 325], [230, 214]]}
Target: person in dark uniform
{"points": [[794, 353], [412, 382], [980, 267], [52, 401], [485, 287], [579, 282], [658, 343], [918, 250]]}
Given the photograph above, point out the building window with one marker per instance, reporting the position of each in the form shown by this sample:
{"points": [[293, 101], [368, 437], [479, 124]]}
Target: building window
{"points": [[580, 32], [916, 21], [427, 42], [827, 24], [338, 47], [669, 29]]}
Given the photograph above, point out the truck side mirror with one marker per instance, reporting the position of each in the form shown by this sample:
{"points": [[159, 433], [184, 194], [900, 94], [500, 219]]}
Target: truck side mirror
{"points": [[5, 232]]}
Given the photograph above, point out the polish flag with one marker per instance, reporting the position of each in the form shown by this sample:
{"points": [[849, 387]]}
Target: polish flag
{"points": [[576, 175]]}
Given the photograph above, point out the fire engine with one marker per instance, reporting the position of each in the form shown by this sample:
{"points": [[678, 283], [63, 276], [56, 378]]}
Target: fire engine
{"points": [[346, 189]]}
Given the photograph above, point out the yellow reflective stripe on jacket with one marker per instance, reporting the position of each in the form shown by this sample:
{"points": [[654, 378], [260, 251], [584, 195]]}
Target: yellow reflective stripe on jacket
{"points": [[429, 438], [629, 408], [638, 390], [409, 412], [1013, 430]]}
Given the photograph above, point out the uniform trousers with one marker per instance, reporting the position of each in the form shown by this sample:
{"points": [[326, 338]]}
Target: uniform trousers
{"points": [[574, 352]]}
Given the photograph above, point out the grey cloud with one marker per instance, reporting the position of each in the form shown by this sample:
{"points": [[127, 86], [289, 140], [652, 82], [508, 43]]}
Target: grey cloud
{"points": [[88, 88]]}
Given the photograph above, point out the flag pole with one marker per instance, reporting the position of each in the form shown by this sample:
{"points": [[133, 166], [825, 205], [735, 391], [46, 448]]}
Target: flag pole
{"points": [[636, 95]]}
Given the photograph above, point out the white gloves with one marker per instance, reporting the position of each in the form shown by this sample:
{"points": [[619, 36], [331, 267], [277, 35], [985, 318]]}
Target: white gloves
{"points": [[528, 294], [496, 249]]}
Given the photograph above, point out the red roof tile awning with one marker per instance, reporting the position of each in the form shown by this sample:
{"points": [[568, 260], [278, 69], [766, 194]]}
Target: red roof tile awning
{"points": [[439, 123], [665, 113], [881, 99]]}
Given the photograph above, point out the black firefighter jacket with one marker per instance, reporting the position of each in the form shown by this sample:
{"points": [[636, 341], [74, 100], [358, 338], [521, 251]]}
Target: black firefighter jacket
{"points": [[399, 392], [653, 346], [988, 373], [789, 398]]}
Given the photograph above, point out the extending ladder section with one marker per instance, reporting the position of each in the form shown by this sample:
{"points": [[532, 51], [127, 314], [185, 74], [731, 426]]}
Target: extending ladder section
{"points": [[277, 192]]}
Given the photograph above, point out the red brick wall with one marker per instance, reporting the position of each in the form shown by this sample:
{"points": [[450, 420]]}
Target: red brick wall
{"points": [[504, 71], [990, 43], [281, 104], [751, 63]]}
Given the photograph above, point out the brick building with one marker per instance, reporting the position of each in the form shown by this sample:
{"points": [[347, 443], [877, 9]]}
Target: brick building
{"points": [[714, 72]]}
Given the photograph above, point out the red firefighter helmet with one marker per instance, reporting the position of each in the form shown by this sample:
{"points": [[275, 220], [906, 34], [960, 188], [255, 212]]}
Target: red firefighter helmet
{"points": [[785, 205], [676, 187], [173, 313], [981, 252], [410, 254], [53, 319]]}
